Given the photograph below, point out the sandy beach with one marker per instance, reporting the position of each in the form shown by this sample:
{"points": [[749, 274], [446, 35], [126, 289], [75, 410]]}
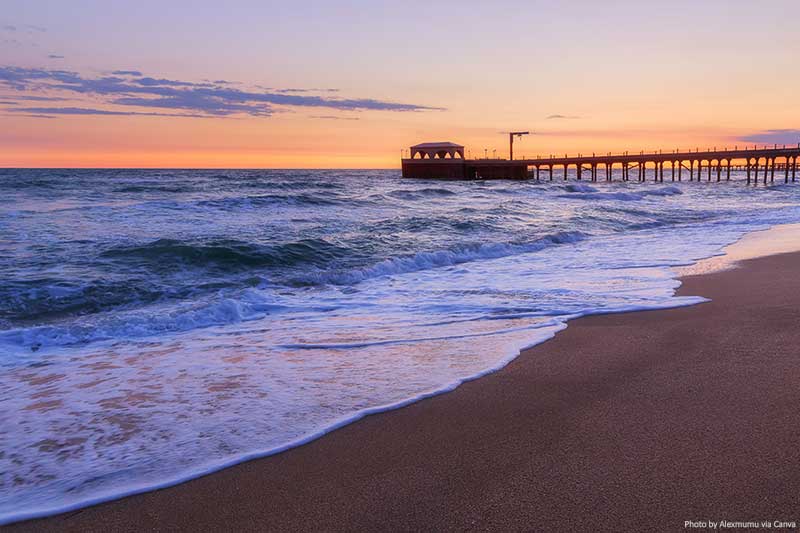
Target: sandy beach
{"points": [[638, 421]]}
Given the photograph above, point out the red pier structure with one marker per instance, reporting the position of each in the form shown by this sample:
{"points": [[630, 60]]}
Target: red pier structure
{"points": [[445, 160]]}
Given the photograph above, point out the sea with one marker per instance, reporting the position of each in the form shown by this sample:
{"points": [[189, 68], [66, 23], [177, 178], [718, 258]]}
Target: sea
{"points": [[158, 325]]}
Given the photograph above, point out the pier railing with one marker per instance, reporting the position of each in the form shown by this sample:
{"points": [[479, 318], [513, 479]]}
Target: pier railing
{"points": [[768, 159], [736, 151]]}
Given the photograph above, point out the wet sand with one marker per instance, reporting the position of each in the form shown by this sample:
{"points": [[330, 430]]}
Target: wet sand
{"points": [[637, 421]]}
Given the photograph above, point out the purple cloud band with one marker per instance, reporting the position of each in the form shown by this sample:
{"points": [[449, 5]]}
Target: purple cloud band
{"points": [[773, 137], [130, 88]]}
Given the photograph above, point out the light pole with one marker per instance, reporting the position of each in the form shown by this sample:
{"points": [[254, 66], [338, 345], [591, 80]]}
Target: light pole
{"points": [[511, 136]]}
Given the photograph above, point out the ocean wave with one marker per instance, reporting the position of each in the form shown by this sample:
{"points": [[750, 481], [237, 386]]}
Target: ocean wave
{"points": [[579, 187], [249, 305], [228, 254], [154, 188], [427, 224], [264, 200], [419, 194], [622, 195], [438, 259], [48, 299]]}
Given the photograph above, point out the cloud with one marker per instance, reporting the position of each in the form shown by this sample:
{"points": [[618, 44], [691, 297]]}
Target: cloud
{"points": [[286, 91], [29, 115], [55, 56], [131, 88], [333, 117], [198, 102], [21, 79], [789, 136], [31, 28], [90, 111], [558, 117], [31, 98], [153, 82]]}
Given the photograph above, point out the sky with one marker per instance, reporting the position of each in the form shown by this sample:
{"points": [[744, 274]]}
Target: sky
{"points": [[349, 84]]}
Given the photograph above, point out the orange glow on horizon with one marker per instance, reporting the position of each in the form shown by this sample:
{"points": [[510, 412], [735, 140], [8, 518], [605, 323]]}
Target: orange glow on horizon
{"points": [[287, 142]]}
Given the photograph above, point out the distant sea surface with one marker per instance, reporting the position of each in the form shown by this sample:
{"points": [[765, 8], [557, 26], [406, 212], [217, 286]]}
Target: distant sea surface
{"points": [[158, 325]]}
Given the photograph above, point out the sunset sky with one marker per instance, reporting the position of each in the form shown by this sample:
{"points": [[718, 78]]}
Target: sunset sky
{"points": [[349, 83]]}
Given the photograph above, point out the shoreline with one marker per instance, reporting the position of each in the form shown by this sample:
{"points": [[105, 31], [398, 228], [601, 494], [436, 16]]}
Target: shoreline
{"points": [[65, 519]]}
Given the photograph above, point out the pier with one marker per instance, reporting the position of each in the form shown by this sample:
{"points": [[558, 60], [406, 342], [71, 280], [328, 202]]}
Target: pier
{"points": [[445, 160]]}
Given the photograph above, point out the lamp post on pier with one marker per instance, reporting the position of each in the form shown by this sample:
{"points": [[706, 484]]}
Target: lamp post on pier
{"points": [[511, 135]]}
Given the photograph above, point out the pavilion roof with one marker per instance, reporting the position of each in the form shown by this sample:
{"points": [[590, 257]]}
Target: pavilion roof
{"points": [[443, 144]]}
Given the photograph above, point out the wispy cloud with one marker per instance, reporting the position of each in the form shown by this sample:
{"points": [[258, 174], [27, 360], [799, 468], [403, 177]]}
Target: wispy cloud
{"points": [[559, 117], [28, 115], [55, 56], [20, 36], [33, 98], [130, 88], [333, 117], [91, 111], [291, 90], [28, 28], [789, 136]]}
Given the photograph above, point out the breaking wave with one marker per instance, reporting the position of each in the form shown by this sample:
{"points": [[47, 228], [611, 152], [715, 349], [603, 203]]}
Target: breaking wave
{"points": [[441, 258], [228, 254], [249, 305]]}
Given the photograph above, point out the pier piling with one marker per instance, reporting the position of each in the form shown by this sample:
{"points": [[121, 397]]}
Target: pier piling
{"points": [[786, 171]]}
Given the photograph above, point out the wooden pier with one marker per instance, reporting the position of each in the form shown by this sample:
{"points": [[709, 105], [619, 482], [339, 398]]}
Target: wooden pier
{"points": [[446, 161]]}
